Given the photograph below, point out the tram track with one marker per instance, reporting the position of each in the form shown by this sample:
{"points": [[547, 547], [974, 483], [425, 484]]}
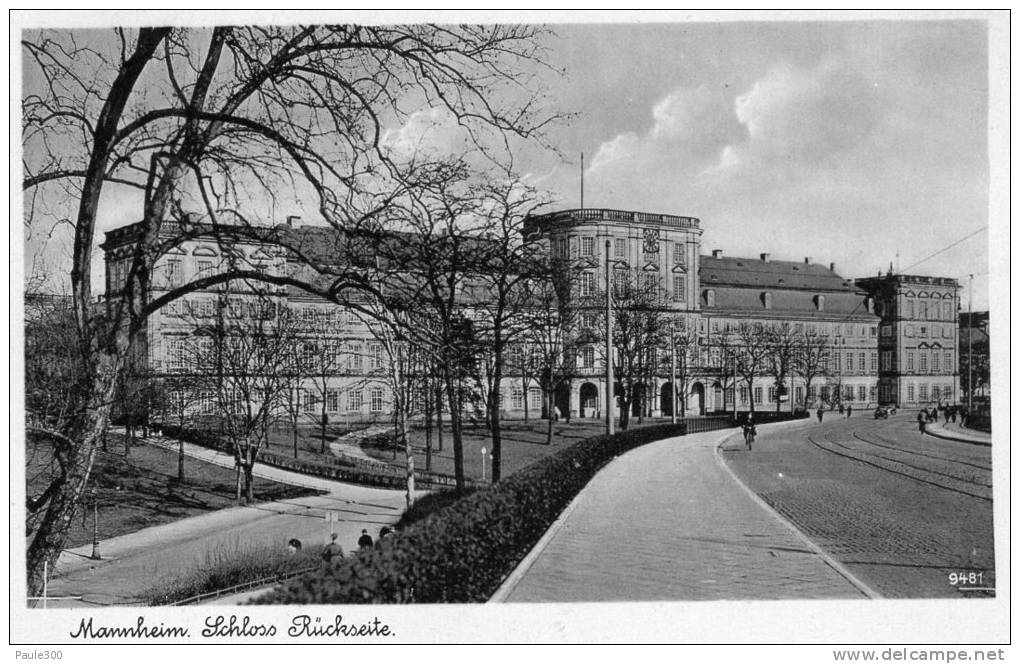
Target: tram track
{"points": [[869, 459]]}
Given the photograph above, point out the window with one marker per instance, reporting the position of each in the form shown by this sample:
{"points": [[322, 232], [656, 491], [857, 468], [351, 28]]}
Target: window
{"points": [[375, 400], [679, 288], [205, 268], [174, 273], [206, 402], [757, 395], [535, 398], [772, 394], [924, 362], [860, 362], [887, 330], [799, 394], [874, 331], [587, 246], [825, 393], [308, 355], [586, 286], [354, 362], [177, 354], [936, 393], [679, 254], [309, 401], [874, 361], [910, 361], [354, 401], [934, 361], [375, 356], [923, 392], [871, 393], [517, 398], [947, 392], [886, 360], [204, 307], [588, 357], [862, 393], [333, 400], [849, 362], [743, 395], [848, 393], [620, 248], [923, 332], [949, 361], [910, 393]]}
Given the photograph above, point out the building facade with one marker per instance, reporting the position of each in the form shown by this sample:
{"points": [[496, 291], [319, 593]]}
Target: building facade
{"points": [[918, 338], [887, 340]]}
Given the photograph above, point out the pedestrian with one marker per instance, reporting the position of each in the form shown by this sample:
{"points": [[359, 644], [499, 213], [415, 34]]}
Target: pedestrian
{"points": [[821, 411], [365, 541], [964, 416], [945, 414], [384, 533], [849, 410], [952, 413], [294, 545], [840, 407], [331, 553], [922, 420]]}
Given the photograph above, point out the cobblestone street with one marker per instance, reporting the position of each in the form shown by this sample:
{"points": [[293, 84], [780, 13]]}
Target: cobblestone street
{"points": [[901, 511]]}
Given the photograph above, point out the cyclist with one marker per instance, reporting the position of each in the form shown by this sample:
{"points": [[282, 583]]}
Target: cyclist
{"points": [[749, 433]]}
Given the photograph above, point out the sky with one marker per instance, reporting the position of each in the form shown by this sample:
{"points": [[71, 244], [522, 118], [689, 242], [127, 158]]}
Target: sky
{"points": [[859, 143]]}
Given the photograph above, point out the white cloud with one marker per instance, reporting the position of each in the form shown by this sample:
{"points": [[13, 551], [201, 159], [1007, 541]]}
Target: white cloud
{"points": [[429, 132]]}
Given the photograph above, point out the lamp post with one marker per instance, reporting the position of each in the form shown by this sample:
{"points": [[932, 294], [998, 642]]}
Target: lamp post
{"points": [[970, 349]]}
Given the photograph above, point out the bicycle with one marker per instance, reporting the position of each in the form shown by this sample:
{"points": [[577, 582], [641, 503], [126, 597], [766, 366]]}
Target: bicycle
{"points": [[749, 434]]}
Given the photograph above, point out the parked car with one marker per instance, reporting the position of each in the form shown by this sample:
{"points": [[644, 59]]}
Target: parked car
{"points": [[882, 413]]}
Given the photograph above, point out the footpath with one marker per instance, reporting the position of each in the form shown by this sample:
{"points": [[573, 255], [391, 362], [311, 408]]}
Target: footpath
{"points": [[957, 433], [132, 563], [669, 521]]}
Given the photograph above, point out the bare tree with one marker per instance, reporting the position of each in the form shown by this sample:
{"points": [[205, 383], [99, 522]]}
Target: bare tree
{"points": [[783, 344], [811, 360], [640, 327], [225, 119], [683, 347], [749, 348]]}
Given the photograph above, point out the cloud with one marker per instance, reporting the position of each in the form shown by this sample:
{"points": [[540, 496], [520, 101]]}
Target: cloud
{"points": [[432, 132]]}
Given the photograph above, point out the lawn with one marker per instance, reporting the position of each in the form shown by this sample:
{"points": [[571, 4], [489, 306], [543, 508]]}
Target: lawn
{"points": [[141, 490], [523, 444]]}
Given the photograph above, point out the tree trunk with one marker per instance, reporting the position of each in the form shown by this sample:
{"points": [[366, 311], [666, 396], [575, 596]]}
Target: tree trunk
{"points": [[495, 422], [428, 428], [524, 391], [455, 428], [439, 416], [293, 430], [551, 419], [322, 423], [180, 460]]}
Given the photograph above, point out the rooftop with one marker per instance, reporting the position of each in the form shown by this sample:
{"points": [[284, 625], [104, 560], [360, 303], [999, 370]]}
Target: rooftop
{"points": [[541, 222], [764, 272]]}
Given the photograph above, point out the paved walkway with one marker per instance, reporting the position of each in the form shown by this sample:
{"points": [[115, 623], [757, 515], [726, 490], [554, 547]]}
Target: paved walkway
{"points": [[131, 563], [348, 444], [668, 521], [955, 432]]}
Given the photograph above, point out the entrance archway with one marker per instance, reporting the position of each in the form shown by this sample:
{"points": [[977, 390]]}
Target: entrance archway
{"points": [[666, 399], [589, 400], [638, 402], [562, 399], [697, 400], [717, 397]]}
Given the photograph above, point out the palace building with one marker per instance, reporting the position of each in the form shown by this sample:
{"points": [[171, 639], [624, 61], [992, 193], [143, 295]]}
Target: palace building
{"points": [[889, 339]]}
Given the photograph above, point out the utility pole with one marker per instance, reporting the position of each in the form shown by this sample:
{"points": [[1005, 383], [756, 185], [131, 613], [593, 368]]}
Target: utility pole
{"points": [[582, 186], [610, 384], [970, 349]]}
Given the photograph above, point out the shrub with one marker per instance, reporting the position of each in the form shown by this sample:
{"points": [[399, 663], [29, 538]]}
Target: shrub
{"points": [[228, 566], [463, 552]]}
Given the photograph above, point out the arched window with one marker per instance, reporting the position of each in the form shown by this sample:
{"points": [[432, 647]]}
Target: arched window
{"points": [[820, 302], [766, 300], [709, 298]]}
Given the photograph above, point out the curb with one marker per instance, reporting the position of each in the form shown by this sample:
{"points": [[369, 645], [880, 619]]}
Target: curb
{"points": [[511, 581], [946, 435], [864, 588]]}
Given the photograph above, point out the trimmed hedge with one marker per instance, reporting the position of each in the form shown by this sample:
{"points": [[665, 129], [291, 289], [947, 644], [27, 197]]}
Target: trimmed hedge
{"points": [[344, 469], [464, 552]]}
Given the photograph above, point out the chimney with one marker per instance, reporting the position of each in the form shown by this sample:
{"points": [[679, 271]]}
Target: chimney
{"points": [[291, 219], [832, 267], [807, 260], [717, 253], [765, 258]]}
